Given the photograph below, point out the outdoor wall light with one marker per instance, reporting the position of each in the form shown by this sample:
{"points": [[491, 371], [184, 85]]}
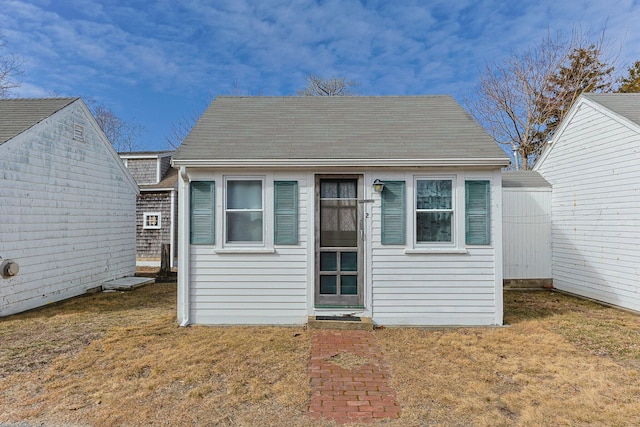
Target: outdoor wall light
{"points": [[378, 186]]}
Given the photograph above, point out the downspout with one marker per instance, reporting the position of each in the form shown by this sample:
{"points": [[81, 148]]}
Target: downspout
{"points": [[496, 217], [183, 247], [172, 233]]}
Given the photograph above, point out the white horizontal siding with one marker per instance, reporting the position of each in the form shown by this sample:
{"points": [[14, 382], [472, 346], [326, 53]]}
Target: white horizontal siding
{"points": [[252, 289], [67, 213], [526, 219], [400, 288], [593, 167], [435, 289]]}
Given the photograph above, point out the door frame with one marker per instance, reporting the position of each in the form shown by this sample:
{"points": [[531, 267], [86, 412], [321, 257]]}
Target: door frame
{"points": [[360, 232]]}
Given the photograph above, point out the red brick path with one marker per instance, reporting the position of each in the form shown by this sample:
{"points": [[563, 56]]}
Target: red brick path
{"points": [[349, 378]]}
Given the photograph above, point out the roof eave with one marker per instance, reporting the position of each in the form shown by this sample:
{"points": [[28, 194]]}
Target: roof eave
{"points": [[300, 163], [151, 189]]}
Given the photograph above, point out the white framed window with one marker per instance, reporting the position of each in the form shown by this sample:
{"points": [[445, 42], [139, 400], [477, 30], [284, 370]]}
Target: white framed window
{"points": [[152, 220], [244, 222], [435, 211]]}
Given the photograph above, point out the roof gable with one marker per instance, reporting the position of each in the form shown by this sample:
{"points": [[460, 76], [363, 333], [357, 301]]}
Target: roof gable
{"points": [[343, 130], [19, 114], [621, 107], [625, 104]]}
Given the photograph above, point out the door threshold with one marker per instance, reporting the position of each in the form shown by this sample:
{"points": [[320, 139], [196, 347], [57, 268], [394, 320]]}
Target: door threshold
{"points": [[338, 307], [340, 323], [342, 318]]}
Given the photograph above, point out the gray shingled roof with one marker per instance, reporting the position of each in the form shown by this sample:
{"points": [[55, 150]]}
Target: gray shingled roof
{"points": [[234, 129], [19, 114], [168, 181], [624, 104], [523, 179]]}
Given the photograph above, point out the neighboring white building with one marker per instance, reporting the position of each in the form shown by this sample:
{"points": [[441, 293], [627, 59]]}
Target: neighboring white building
{"points": [[67, 204], [592, 164], [526, 229], [280, 218]]}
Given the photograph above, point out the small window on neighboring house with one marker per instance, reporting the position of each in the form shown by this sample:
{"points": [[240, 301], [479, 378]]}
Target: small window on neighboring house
{"points": [[78, 132], [152, 220]]}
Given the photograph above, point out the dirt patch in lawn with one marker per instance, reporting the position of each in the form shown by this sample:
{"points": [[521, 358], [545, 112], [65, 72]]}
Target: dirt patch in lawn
{"points": [[119, 359]]}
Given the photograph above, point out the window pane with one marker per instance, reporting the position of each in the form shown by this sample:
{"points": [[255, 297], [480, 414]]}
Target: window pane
{"points": [[349, 285], [244, 194], [433, 227], [347, 190], [328, 261], [328, 285], [244, 226], [338, 223], [329, 190], [433, 194], [349, 261]]}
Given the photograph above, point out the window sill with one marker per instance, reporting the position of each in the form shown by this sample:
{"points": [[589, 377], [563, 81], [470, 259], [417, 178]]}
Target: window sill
{"points": [[245, 251], [436, 251]]}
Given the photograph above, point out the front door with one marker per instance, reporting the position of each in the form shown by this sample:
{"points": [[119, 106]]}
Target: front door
{"points": [[339, 235]]}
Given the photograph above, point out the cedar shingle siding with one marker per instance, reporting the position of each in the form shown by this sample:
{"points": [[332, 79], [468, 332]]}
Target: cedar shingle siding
{"points": [[149, 241], [165, 165], [143, 170], [155, 196]]}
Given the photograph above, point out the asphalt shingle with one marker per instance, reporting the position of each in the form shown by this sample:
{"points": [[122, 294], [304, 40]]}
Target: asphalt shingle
{"points": [[340, 128], [624, 104], [20, 114]]}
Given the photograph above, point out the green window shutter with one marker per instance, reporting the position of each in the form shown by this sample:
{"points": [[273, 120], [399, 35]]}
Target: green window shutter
{"points": [[477, 211], [285, 212], [203, 212], [394, 213]]}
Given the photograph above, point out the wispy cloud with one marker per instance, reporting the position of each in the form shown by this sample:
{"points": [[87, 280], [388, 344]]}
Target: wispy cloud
{"points": [[192, 48]]}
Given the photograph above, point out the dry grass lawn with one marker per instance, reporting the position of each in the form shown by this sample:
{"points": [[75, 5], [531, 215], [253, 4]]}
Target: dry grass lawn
{"points": [[119, 359]]}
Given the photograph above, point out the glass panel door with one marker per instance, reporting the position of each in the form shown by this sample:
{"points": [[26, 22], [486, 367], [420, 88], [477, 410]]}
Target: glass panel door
{"points": [[338, 243]]}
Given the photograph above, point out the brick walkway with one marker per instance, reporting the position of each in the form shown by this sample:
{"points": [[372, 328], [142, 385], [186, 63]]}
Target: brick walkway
{"points": [[349, 378]]}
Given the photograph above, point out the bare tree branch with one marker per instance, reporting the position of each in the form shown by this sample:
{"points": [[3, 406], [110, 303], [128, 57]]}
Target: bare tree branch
{"points": [[181, 127], [10, 68], [335, 86], [123, 134], [521, 100]]}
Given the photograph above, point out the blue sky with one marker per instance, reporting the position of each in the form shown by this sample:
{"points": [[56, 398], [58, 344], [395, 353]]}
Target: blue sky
{"points": [[154, 62]]}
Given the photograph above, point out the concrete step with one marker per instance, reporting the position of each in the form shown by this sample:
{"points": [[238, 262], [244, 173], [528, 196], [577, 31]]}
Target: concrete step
{"points": [[126, 283], [340, 322]]}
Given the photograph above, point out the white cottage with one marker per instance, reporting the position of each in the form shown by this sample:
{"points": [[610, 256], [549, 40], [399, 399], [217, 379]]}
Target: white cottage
{"points": [[67, 204], [387, 208], [592, 164]]}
